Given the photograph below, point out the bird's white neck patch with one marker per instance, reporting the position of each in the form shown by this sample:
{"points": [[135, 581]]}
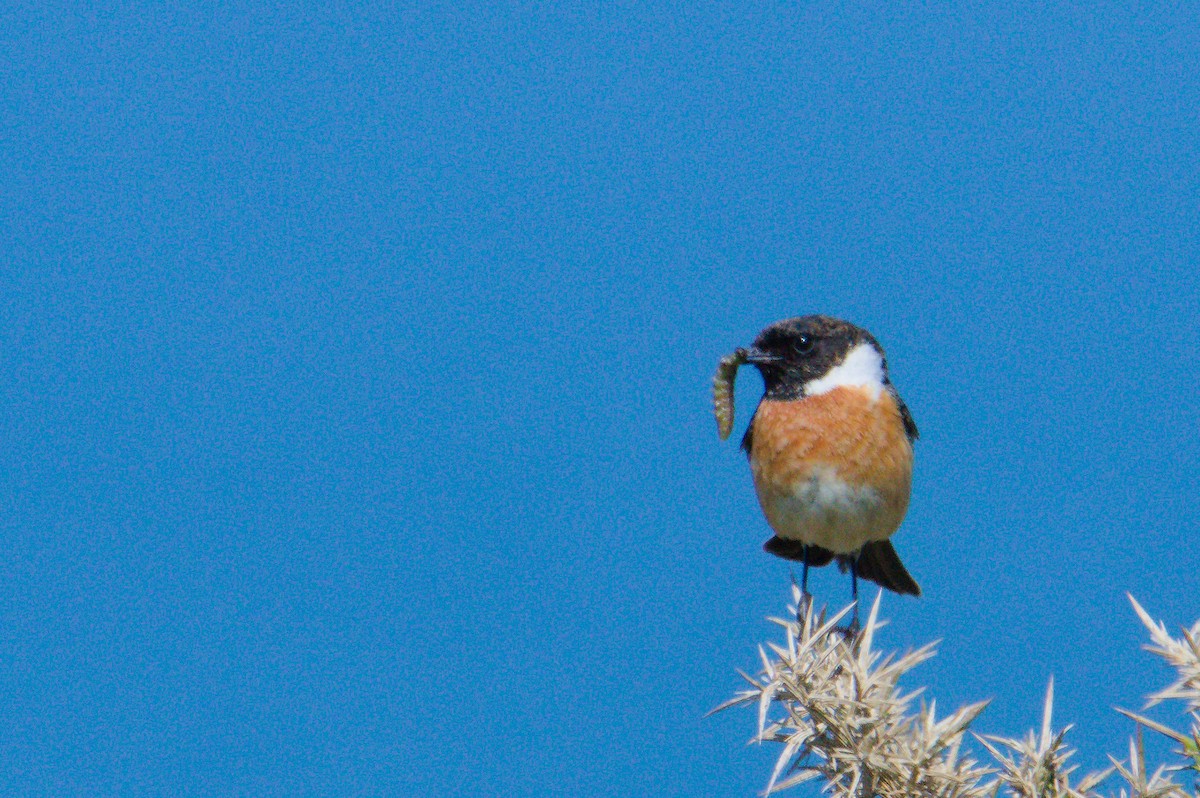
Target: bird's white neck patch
{"points": [[862, 368]]}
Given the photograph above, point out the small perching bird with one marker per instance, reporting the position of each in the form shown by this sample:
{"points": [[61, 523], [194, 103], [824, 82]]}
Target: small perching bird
{"points": [[830, 447]]}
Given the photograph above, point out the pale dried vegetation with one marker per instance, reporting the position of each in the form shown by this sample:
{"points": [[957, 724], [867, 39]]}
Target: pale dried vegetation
{"points": [[832, 701]]}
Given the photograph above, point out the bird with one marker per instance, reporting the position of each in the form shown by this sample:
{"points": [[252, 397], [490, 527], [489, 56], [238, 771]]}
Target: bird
{"points": [[830, 447]]}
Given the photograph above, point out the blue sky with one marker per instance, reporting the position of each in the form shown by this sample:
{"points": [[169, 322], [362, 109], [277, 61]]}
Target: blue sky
{"points": [[355, 370]]}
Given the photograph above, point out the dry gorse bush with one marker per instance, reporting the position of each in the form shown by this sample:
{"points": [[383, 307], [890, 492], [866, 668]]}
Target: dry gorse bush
{"points": [[834, 703]]}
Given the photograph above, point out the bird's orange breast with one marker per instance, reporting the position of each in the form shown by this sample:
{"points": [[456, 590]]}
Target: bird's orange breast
{"points": [[834, 469]]}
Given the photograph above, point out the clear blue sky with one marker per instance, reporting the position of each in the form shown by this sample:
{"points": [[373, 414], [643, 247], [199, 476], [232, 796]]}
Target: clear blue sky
{"points": [[355, 370]]}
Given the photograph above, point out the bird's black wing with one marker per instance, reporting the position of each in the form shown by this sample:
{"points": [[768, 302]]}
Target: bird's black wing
{"points": [[910, 426], [748, 438]]}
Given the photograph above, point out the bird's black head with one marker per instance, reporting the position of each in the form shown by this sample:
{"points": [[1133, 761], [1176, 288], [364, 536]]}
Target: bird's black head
{"points": [[795, 353]]}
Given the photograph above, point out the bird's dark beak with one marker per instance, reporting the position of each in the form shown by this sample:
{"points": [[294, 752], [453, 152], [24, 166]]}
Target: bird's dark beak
{"points": [[758, 356]]}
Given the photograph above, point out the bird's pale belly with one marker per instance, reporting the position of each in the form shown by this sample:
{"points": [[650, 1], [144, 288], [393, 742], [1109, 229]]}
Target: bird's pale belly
{"points": [[832, 470]]}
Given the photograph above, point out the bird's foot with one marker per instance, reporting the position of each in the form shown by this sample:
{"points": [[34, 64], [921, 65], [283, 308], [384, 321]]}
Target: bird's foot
{"points": [[852, 630]]}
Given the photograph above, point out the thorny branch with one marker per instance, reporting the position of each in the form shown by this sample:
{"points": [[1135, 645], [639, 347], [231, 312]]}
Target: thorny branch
{"points": [[832, 701]]}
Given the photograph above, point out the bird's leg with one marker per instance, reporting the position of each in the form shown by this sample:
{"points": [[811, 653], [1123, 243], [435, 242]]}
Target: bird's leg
{"points": [[804, 575], [854, 590], [804, 608]]}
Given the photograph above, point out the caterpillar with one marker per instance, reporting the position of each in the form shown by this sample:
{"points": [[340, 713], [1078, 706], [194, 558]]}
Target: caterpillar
{"points": [[723, 390]]}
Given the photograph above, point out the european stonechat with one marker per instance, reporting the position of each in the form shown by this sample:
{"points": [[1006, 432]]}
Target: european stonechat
{"points": [[830, 448]]}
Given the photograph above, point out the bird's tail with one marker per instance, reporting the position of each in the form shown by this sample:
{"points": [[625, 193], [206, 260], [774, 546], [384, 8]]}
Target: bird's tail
{"points": [[879, 562]]}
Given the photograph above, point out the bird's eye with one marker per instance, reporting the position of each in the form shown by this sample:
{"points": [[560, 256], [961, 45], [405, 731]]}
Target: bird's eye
{"points": [[803, 344]]}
